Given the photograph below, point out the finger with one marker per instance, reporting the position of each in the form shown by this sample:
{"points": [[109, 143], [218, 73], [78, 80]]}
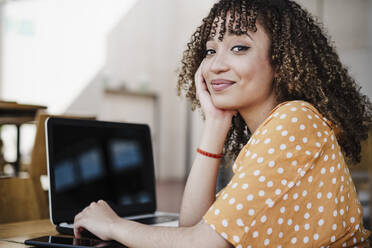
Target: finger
{"points": [[76, 232], [198, 83], [103, 204], [76, 222], [202, 80], [78, 225], [77, 229], [201, 91], [198, 75]]}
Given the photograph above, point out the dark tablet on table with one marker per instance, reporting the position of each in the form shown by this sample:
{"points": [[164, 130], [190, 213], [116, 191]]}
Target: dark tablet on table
{"points": [[70, 242]]}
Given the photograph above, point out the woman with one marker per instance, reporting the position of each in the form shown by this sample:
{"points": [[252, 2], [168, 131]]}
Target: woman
{"points": [[263, 71]]}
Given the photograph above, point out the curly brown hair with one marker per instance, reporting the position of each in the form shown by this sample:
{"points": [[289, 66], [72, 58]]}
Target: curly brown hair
{"points": [[305, 61]]}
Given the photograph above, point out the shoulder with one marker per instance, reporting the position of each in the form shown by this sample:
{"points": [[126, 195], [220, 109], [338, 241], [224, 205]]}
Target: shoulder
{"points": [[294, 131], [299, 115]]}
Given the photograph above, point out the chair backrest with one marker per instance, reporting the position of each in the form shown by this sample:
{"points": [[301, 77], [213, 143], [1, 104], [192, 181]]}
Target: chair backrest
{"points": [[23, 199], [364, 168], [367, 163], [17, 201], [38, 165]]}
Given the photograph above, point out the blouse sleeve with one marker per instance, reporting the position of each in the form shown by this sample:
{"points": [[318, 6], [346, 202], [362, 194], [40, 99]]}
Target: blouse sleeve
{"points": [[250, 210]]}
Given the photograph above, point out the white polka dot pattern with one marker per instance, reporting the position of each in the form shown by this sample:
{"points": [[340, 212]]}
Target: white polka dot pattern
{"points": [[291, 187]]}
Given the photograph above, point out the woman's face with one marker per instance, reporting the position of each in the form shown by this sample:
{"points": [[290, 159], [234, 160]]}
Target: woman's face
{"points": [[237, 70]]}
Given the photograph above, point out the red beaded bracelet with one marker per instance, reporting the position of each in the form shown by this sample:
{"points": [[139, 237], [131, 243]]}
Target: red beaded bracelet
{"points": [[208, 154]]}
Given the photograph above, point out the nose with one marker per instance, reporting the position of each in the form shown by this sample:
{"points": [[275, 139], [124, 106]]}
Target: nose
{"points": [[219, 63]]}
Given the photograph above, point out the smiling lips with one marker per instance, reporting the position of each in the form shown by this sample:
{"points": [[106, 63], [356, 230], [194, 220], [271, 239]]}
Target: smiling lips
{"points": [[221, 84]]}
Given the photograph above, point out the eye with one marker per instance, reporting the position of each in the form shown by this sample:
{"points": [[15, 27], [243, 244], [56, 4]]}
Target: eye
{"points": [[239, 48], [209, 52]]}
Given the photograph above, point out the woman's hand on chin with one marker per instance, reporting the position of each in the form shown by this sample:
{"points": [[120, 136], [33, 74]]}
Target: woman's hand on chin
{"points": [[211, 112], [97, 218]]}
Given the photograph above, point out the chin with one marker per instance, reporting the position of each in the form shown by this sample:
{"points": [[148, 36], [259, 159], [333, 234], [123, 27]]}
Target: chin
{"points": [[224, 103]]}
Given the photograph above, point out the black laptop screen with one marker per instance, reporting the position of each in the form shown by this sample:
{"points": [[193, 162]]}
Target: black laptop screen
{"points": [[92, 160]]}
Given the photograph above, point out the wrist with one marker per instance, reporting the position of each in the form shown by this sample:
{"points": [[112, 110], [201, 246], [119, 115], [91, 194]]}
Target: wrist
{"points": [[208, 154], [217, 126], [221, 120], [113, 228], [213, 137]]}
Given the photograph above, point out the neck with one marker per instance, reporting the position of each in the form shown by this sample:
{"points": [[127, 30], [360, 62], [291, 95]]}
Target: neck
{"points": [[255, 115]]}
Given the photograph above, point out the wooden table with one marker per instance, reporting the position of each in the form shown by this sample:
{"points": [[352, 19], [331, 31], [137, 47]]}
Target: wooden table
{"points": [[14, 234], [17, 114]]}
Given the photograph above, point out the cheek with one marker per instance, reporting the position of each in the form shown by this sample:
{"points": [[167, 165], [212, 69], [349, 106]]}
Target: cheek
{"points": [[260, 72], [268, 72], [247, 70]]}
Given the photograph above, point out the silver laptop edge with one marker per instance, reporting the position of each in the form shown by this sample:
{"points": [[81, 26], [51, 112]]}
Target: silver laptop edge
{"points": [[47, 158]]}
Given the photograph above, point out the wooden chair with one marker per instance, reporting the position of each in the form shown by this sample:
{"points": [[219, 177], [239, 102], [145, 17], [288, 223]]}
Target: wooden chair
{"points": [[366, 163], [24, 198], [38, 165], [17, 201], [362, 172]]}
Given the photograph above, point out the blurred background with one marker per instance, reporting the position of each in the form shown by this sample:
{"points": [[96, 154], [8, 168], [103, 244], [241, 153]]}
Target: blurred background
{"points": [[117, 60]]}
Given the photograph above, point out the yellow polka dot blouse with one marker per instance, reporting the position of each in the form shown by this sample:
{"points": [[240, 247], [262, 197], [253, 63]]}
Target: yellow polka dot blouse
{"points": [[291, 187]]}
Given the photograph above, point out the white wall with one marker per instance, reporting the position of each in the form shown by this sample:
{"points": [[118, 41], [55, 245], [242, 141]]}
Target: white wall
{"points": [[1, 44], [349, 23], [51, 49], [145, 47]]}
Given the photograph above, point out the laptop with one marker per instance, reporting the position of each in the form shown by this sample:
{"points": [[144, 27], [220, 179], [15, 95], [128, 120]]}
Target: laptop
{"points": [[89, 160]]}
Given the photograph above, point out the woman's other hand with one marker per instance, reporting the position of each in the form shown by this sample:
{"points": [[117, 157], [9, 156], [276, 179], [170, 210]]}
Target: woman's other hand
{"points": [[211, 112], [97, 218]]}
